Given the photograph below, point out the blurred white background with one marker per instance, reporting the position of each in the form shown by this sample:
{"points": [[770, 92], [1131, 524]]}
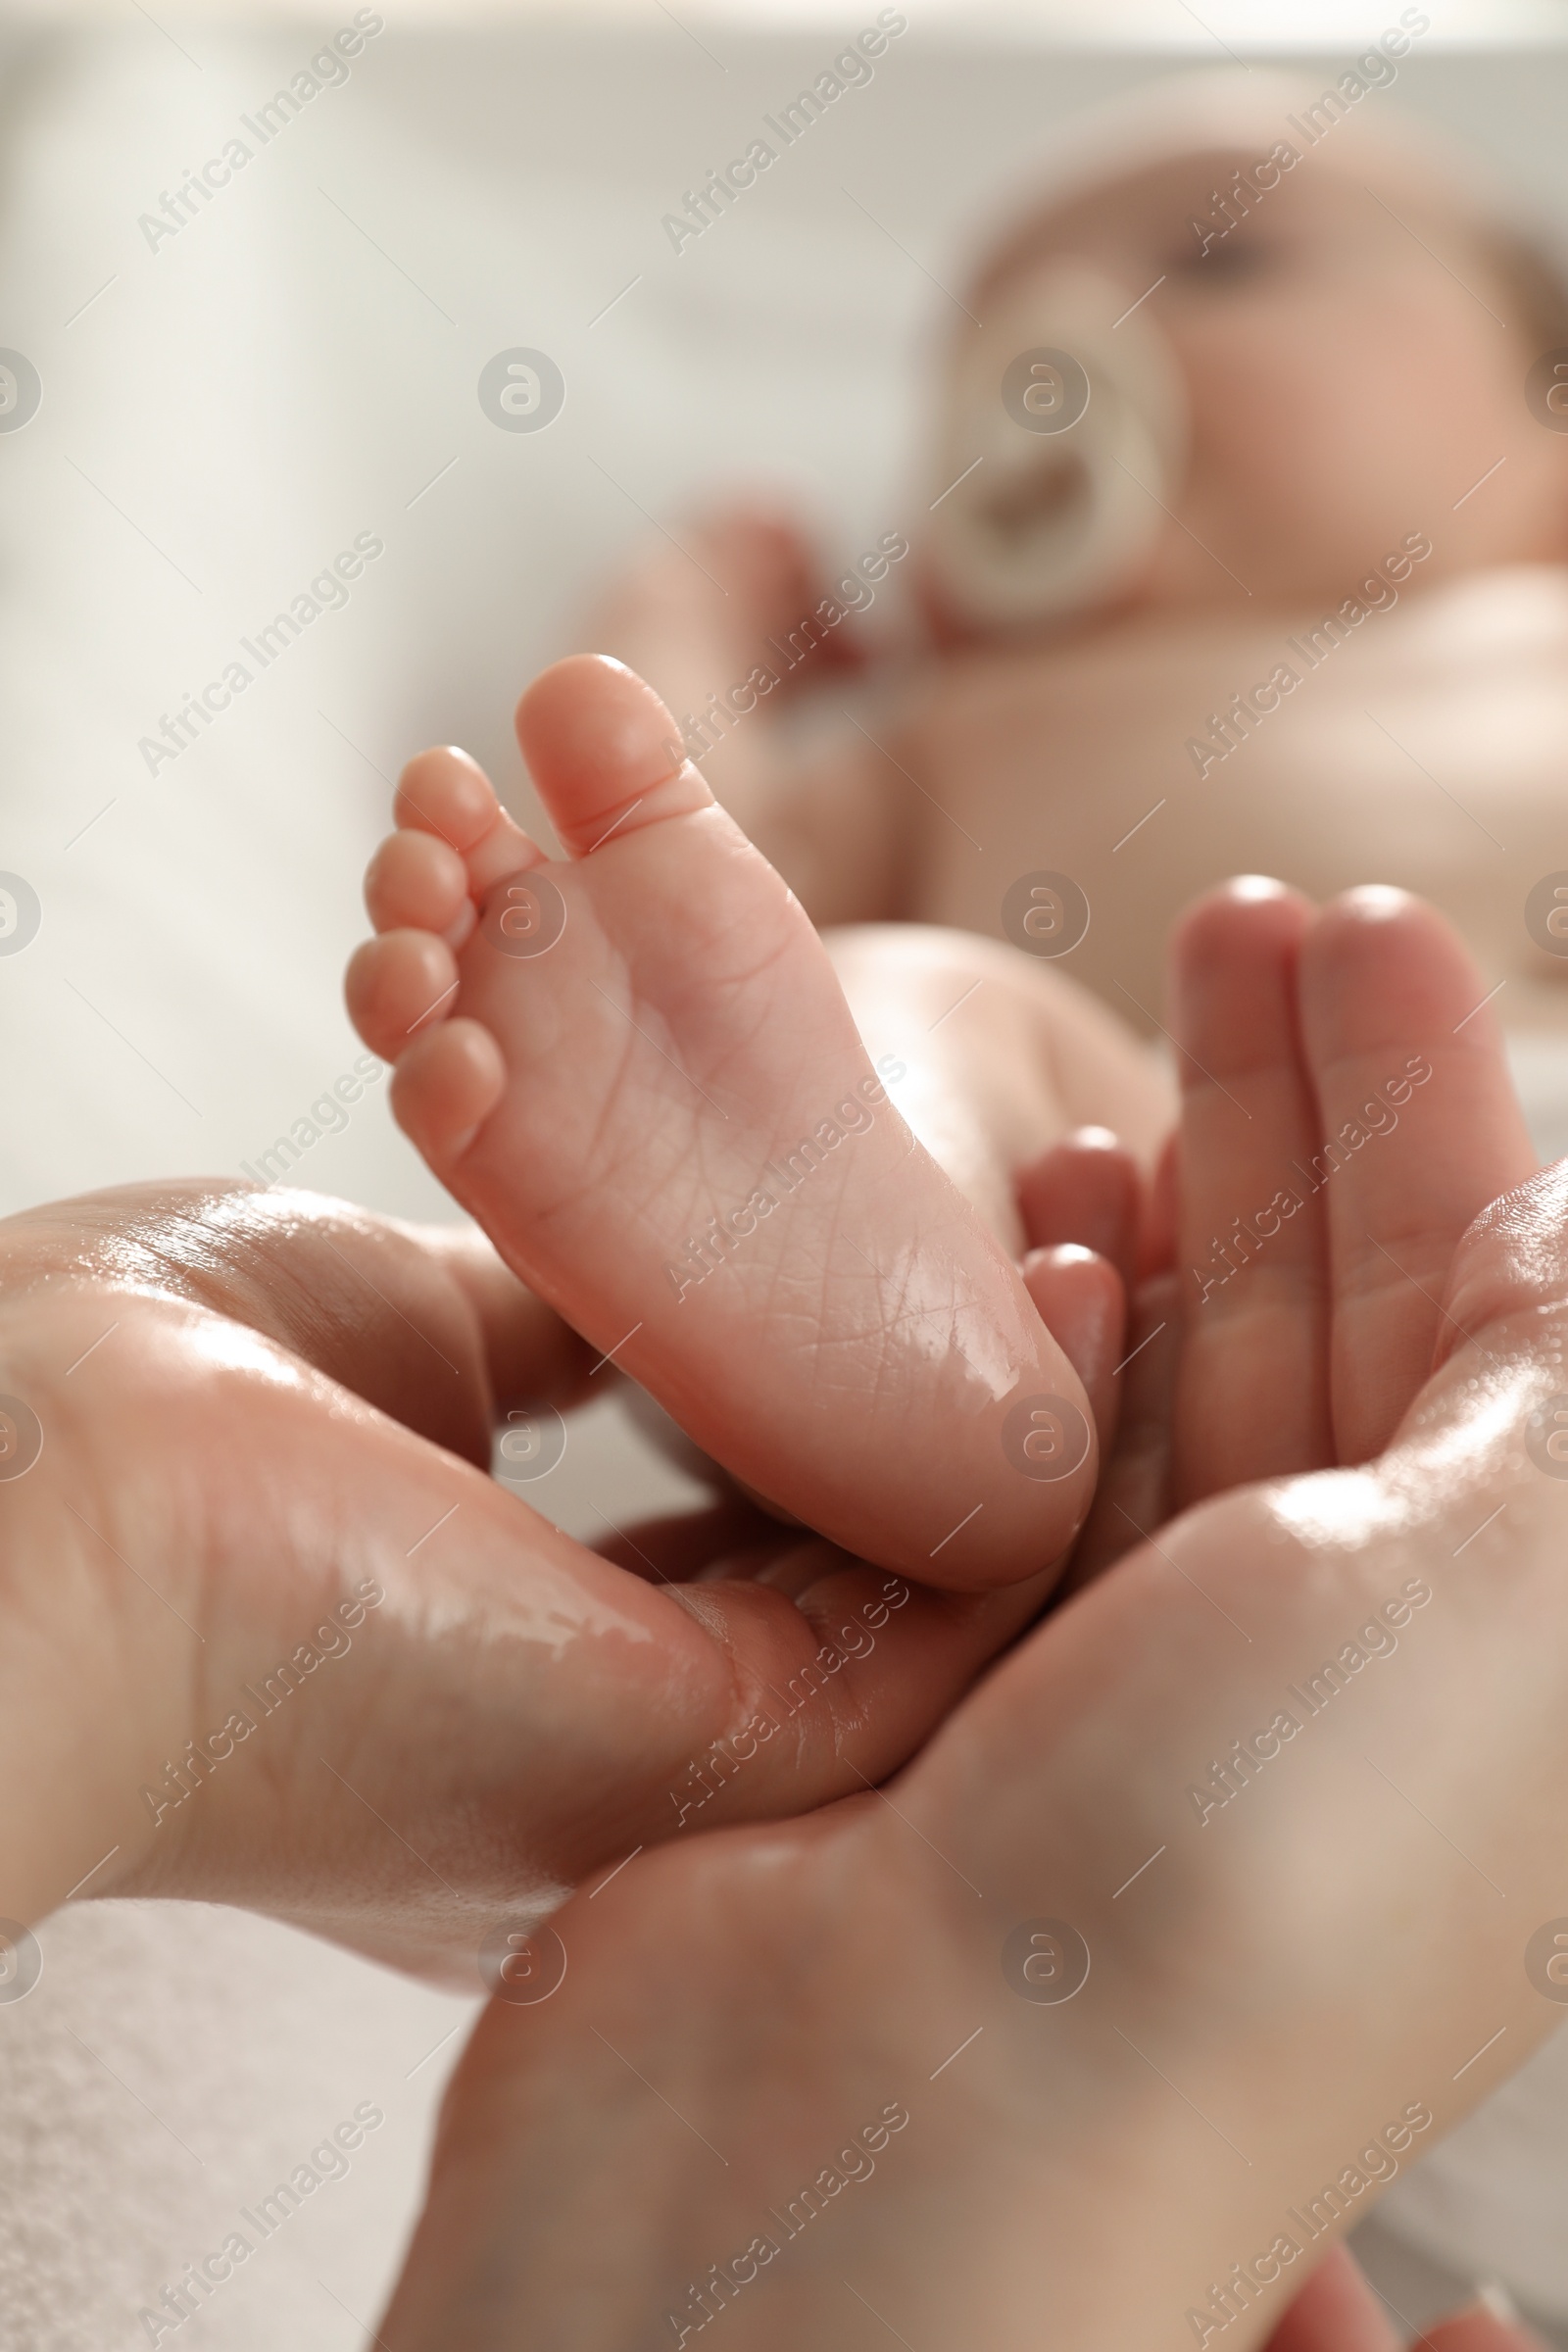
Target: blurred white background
{"points": [[219, 417]]}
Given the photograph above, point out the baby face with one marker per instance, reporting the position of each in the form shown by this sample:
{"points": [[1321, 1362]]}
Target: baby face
{"points": [[1354, 363]]}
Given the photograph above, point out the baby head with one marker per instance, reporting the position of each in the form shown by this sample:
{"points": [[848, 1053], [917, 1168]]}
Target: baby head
{"points": [[1249, 339]]}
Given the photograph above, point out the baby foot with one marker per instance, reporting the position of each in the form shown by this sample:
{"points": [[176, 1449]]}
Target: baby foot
{"points": [[635, 1067]]}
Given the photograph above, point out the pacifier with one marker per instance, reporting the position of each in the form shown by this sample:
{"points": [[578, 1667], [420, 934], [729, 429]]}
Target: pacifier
{"points": [[1060, 444]]}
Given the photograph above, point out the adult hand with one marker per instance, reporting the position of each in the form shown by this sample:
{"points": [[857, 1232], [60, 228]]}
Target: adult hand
{"points": [[1306, 1310], [1153, 2153], [274, 1636], [1293, 1305]]}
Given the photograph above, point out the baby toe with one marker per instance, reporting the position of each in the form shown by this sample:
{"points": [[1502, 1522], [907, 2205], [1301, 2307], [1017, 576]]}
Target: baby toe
{"points": [[445, 1087], [604, 752], [397, 986], [416, 882], [445, 791]]}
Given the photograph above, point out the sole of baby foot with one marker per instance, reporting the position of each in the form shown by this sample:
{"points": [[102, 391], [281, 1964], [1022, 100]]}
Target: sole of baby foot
{"points": [[639, 1073]]}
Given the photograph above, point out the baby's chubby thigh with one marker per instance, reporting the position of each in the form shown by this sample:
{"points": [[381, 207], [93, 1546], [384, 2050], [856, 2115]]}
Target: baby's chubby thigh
{"points": [[992, 1055]]}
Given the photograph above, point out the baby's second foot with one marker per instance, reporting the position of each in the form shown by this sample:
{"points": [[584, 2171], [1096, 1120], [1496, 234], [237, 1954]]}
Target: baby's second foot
{"points": [[636, 1068]]}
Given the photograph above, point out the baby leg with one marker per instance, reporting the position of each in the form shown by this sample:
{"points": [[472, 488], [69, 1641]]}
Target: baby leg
{"points": [[1004, 1057]]}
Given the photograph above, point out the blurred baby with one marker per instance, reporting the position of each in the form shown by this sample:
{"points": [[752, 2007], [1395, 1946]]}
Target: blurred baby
{"points": [[1238, 545]]}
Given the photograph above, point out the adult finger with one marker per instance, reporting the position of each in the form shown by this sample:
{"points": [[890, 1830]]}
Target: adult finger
{"points": [[1083, 1302], [1419, 1127], [1252, 1394], [1336, 2311], [1087, 1189], [1133, 1497], [1490, 2323], [528, 1352]]}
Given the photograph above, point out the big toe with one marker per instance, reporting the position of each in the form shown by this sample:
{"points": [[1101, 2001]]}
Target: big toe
{"points": [[605, 753]]}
